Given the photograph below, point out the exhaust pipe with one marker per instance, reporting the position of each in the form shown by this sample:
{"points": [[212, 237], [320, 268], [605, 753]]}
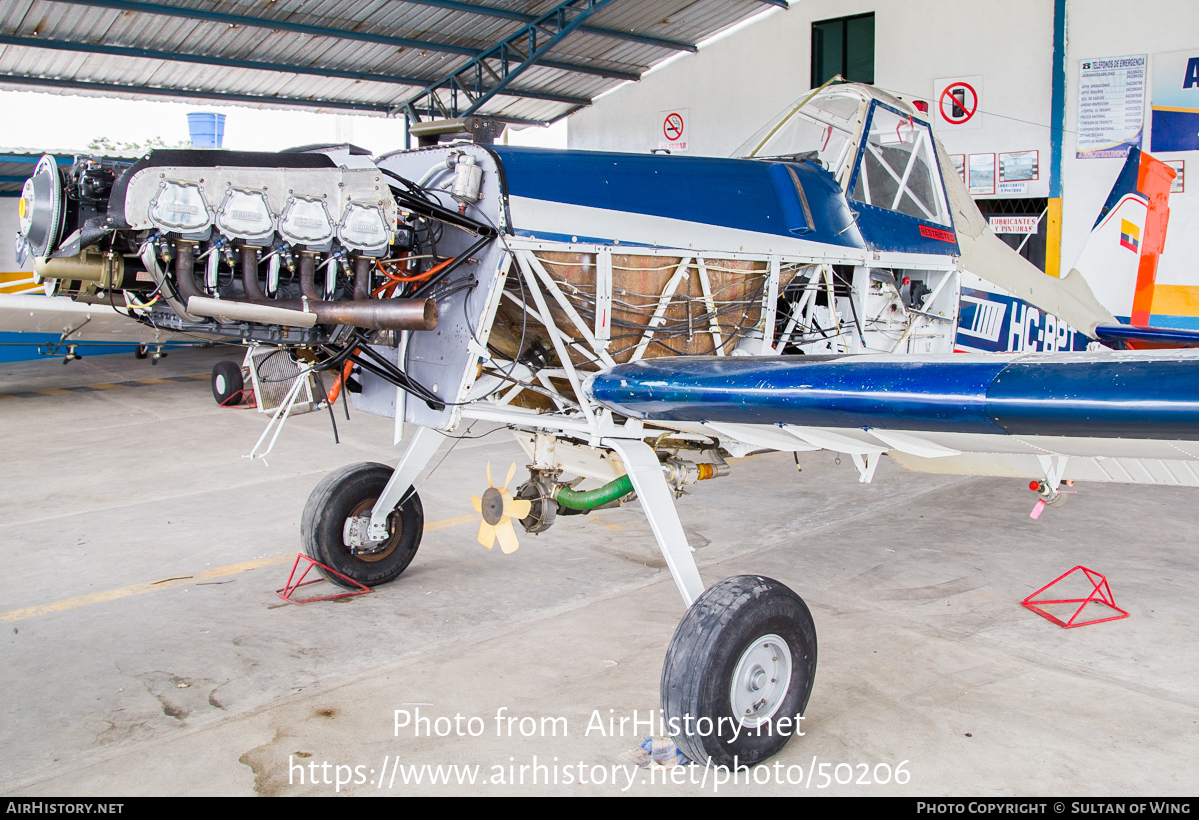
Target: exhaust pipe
{"points": [[373, 314], [185, 270], [364, 312], [362, 277], [249, 274], [308, 276]]}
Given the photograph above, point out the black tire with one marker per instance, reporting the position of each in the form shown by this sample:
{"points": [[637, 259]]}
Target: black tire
{"points": [[140, 352], [697, 678], [351, 491], [227, 383]]}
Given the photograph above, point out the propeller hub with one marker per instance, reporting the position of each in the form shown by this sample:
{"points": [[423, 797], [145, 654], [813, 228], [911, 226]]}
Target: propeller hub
{"points": [[493, 506]]}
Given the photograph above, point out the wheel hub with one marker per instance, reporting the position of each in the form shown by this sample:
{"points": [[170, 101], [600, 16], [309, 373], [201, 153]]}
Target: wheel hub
{"points": [[493, 506], [760, 680], [355, 533]]}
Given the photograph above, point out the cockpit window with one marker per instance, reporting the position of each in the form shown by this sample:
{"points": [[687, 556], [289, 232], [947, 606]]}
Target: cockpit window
{"points": [[825, 125], [897, 169]]}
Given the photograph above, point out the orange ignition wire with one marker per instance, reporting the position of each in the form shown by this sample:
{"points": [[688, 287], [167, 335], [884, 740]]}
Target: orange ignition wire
{"points": [[335, 390], [419, 276]]}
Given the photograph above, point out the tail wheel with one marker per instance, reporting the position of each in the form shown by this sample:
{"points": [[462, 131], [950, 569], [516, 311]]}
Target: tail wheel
{"points": [[227, 383], [335, 519], [739, 671]]}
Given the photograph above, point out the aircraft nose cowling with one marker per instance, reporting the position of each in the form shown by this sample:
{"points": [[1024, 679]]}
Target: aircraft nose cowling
{"points": [[1099, 396]]}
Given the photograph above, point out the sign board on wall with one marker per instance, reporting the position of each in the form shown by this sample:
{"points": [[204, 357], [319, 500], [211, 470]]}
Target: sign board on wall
{"points": [[1111, 105], [1012, 189], [674, 129], [958, 103], [1014, 224], [1176, 101]]}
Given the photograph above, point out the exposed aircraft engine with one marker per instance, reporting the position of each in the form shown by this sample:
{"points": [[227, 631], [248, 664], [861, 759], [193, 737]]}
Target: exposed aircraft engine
{"points": [[315, 249], [279, 248]]}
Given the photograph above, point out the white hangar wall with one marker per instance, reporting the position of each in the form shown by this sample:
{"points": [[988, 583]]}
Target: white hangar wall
{"points": [[734, 85], [1100, 28]]}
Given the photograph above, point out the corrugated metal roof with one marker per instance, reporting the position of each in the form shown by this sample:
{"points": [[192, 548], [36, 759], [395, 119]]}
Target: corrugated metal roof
{"points": [[364, 55]]}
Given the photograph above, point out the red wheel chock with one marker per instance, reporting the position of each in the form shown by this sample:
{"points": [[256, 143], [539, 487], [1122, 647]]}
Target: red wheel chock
{"points": [[1101, 594], [294, 583]]}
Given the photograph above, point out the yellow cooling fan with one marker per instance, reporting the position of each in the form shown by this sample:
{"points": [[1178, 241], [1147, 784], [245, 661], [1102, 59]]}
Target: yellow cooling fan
{"points": [[498, 508]]}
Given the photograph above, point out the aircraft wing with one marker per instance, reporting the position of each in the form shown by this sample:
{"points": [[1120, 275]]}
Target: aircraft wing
{"points": [[28, 313], [1165, 336]]}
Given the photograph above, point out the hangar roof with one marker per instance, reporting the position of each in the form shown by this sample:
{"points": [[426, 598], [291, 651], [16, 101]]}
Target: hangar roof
{"points": [[523, 61]]}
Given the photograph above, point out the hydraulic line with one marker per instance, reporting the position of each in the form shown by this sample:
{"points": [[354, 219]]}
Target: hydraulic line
{"points": [[590, 499]]}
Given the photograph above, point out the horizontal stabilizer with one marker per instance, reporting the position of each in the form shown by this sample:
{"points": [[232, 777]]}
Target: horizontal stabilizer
{"points": [[1166, 336]]}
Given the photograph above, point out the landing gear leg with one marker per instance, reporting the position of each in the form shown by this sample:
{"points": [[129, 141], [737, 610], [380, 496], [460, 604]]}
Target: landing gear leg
{"points": [[641, 463], [418, 455]]}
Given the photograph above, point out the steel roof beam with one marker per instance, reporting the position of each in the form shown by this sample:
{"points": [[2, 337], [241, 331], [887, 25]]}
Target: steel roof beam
{"points": [[512, 55], [782, 4], [217, 96], [190, 93], [505, 14], [181, 57], [325, 31]]}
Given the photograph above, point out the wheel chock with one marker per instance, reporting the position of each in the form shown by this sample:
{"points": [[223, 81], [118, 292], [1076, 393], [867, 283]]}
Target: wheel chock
{"points": [[294, 583], [1101, 594]]}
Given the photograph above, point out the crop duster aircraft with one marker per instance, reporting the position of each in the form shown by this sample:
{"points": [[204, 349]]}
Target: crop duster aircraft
{"points": [[637, 320]]}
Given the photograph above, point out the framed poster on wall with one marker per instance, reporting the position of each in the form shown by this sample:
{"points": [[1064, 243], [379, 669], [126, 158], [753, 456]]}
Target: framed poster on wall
{"points": [[1019, 166], [959, 164], [982, 174]]}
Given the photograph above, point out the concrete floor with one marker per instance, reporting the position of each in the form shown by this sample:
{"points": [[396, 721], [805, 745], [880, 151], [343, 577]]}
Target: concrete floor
{"points": [[209, 684]]}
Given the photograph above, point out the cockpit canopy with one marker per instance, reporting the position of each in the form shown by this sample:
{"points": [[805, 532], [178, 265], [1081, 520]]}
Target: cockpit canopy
{"points": [[877, 147]]}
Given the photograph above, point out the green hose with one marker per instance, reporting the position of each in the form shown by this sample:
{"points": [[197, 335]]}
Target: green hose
{"points": [[590, 499]]}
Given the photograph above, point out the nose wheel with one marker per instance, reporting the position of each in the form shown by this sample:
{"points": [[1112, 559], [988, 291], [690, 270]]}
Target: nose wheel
{"points": [[739, 671], [334, 527]]}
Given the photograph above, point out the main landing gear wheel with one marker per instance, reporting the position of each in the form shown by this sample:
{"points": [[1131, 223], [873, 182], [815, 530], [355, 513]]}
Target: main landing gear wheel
{"points": [[739, 671], [335, 519], [227, 383]]}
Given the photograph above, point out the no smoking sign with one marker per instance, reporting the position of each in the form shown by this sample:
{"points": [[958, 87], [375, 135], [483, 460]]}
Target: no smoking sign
{"points": [[958, 102], [673, 127]]}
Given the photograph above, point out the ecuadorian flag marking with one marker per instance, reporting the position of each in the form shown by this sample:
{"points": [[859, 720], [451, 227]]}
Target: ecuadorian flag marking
{"points": [[1130, 236]]}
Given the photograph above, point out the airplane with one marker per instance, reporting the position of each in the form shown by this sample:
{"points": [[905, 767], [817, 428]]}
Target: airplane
{"points": [[640, 320]]}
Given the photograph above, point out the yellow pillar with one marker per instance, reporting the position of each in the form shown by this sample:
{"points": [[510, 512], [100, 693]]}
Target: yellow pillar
{"points": [[1053, 238]]}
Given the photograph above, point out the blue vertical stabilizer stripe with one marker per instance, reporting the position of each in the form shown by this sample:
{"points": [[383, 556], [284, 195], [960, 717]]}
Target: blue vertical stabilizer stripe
{"points": [[1126, 183]]}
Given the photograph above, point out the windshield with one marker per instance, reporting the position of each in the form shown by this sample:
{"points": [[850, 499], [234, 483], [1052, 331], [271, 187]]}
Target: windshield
{"points": [[898, 170], [825, 124]]}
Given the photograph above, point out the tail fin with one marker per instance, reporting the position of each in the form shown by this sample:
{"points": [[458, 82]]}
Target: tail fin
{"points": [[1119, 259]]}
